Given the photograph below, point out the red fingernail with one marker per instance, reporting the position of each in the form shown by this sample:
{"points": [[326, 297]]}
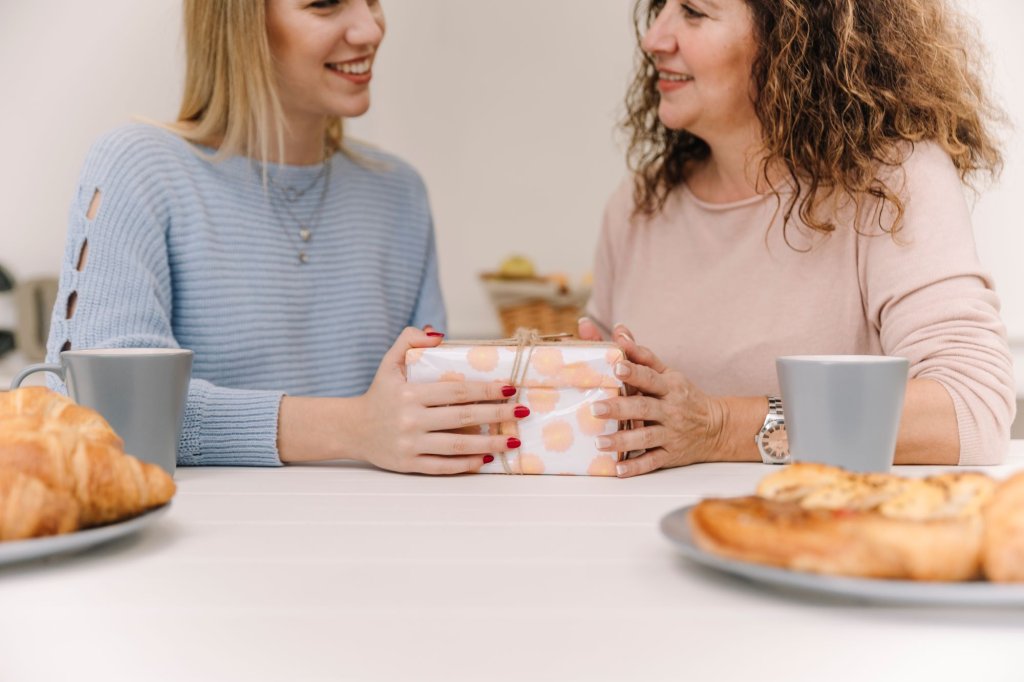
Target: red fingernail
{"points": [[436, 334], [513, 443], [508, 391], [521, 411], [488, 459]]}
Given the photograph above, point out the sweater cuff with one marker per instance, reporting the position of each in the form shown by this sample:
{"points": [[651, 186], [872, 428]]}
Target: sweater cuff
{"points": [[971, 452], [230, 427]]}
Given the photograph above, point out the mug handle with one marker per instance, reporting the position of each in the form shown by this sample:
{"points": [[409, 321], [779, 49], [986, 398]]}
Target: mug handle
{"points": [[32, 369]]}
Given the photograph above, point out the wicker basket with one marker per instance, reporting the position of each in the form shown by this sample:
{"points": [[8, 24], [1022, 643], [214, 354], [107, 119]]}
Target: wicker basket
{"points": [[535, 303]]}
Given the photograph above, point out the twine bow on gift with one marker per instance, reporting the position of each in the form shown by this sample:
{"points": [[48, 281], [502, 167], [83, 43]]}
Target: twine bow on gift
{"points": [[525, 340]]}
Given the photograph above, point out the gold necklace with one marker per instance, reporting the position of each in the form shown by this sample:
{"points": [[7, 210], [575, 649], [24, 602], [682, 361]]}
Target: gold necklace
{"points": [[291, 194]]}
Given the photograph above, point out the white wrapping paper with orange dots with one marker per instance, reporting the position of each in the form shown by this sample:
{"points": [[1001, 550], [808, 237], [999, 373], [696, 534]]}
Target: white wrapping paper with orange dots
{"points": [[561, 382]]}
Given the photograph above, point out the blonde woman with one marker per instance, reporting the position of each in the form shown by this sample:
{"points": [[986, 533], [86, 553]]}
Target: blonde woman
{"points": [[798, 188], [298, 265]]}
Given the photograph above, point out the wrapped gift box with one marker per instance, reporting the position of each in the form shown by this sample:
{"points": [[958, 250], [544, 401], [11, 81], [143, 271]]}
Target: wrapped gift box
{"points": [[557, 380]]}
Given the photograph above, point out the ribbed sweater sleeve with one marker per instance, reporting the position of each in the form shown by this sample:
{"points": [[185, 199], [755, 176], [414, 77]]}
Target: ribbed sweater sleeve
{"points": [[189, 252], [933, 303], [125, 299], [430, 303]]}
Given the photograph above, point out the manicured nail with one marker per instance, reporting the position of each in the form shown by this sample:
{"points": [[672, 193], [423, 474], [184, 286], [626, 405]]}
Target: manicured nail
{"points": [[603, 442], [600, 409], [513, 443], [435, 334], [488, 459], [508, 391], [621, 370], [521, 411], [621, 469]]}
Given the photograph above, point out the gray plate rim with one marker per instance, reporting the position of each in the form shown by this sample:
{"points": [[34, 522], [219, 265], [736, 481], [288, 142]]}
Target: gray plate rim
{"points": [[15, 551], [979, 593]]}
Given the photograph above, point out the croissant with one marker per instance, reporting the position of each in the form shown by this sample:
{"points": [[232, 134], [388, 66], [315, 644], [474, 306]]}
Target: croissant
{"points": [[29, 509], [74, 454]]}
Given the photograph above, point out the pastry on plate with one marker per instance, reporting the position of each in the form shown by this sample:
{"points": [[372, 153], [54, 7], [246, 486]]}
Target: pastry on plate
{"points": [[47, 440], [812, 517], [1003, 554]]}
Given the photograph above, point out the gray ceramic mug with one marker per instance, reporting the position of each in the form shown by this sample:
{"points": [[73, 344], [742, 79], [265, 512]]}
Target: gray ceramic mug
{"points": [[843, 410], [140, 391]]}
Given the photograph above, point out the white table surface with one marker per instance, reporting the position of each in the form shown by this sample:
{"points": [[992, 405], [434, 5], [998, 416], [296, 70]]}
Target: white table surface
{"points": [[342, 572]]}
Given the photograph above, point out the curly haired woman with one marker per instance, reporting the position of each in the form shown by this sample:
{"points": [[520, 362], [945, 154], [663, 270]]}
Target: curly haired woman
{"points": [[798, 188]]}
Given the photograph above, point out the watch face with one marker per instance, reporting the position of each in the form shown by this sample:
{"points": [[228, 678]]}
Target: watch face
{"points": [[775, 442]]}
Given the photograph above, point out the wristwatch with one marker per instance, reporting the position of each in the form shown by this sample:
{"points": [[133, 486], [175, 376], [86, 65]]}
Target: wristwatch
{"points": [[771, 440]]}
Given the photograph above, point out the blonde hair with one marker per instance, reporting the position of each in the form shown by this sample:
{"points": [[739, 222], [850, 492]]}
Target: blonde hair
{"points": [[230, 86]]}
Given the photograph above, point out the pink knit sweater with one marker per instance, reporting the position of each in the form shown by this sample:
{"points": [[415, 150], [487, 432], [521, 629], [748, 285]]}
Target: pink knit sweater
{"points": [[717, 293]]}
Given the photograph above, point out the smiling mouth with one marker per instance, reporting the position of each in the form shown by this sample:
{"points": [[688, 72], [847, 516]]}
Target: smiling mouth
{"points": [[356, 68], [674, 77]]}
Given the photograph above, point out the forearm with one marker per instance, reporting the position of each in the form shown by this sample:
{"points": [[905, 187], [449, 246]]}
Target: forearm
{"points": [[928, 429], [317, 429], [742, 419]]}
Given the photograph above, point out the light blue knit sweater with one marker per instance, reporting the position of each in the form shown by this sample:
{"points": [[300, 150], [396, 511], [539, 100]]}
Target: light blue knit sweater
{"points": [[188, 253]]}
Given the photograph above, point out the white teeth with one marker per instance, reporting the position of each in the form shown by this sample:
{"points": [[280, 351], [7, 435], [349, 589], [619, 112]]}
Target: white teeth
{"points": [[356, 68], [666, 76]]}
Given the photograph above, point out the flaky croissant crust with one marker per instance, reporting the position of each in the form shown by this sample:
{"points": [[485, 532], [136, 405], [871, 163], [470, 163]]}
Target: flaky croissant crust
{"points": [[62, 467]]}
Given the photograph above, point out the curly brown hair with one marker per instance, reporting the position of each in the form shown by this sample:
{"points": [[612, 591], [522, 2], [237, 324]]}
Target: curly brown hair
{"points": [[842, 89]]}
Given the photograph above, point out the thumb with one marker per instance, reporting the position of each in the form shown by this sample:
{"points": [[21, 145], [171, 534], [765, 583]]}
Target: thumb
{"points": [[410, 338], [588, 330], [635, 352]]}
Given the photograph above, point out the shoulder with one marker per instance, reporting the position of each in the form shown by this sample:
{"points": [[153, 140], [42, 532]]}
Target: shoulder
{"points": [[376, 164], [622, 219], [925, 168], [620, 209], [135, 151]]}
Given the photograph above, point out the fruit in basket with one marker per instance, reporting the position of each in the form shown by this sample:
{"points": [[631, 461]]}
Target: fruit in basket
{"points": [[516, 267]]}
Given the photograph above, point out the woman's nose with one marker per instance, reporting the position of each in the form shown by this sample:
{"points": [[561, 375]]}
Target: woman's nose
{"points": [[367, 27], [659, 38]]}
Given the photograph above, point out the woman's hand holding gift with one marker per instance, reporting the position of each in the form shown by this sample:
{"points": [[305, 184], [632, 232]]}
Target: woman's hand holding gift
{"points": [[407, 427], [681, 424]]}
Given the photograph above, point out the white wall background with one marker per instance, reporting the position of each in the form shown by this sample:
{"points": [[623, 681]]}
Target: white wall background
{"points": [[506, 108]]}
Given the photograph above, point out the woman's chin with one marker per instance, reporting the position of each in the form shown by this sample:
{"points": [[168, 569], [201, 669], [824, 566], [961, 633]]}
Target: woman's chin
{"points": [[352, 108]]}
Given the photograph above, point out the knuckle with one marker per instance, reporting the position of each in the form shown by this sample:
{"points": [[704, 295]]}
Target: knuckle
{"points": [[460, 446], [405, 445], [644, 408], [460, 392], [407, 423], [647, 438], [466, 416], [651, 462]]}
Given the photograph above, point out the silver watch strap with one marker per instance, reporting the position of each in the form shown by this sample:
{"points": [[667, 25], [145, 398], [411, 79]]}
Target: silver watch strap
{"points": [[774, 420]]}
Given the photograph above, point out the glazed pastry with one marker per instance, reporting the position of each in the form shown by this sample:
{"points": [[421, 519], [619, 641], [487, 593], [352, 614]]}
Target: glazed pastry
{"points": [[818, 518], [1003, 554]]}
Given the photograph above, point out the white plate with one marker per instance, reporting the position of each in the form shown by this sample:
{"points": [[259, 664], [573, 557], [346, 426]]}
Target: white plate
{"points": [[979, 593], [35, 548]]}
